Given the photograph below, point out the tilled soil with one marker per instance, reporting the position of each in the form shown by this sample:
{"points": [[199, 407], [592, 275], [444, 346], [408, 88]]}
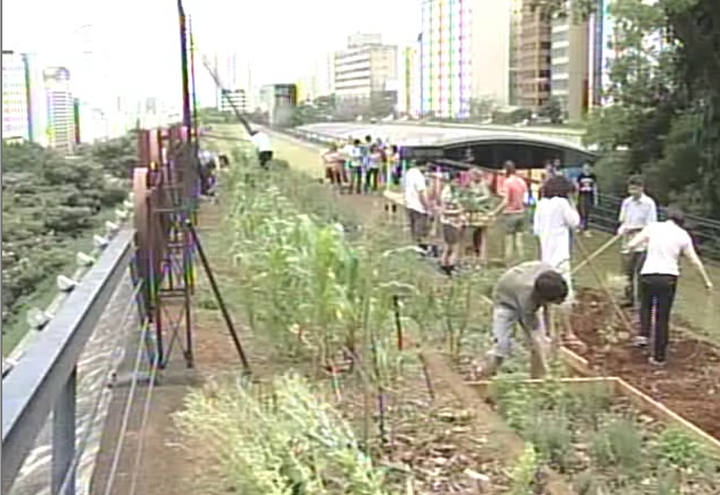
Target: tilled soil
{"points": [[689, 384]]}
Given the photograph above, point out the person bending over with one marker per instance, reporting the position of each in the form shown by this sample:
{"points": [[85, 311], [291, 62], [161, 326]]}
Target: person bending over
{"points": [[518, 296]]}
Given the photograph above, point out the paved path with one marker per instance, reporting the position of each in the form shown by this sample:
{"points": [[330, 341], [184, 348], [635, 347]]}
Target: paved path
{"points": [[106, 343]]}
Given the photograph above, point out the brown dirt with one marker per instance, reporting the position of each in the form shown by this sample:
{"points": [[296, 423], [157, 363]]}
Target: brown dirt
{"points": [[690, 382]]}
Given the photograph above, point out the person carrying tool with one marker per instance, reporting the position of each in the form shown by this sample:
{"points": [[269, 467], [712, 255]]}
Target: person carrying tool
{"points": [[264, 147], [513, 192], [418, 205], [453, 224], [518, 296], [638, 211], [666, 241]]}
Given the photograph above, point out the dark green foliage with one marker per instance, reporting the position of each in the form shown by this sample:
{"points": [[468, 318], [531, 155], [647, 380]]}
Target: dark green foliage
{"points": [[666, 104], [49, 201]]}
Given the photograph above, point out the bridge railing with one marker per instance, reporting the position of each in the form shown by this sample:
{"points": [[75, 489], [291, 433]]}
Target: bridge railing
{"points": [[604, 217], [45, 379]]}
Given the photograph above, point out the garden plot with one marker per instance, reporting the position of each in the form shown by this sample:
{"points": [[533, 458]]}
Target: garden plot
{"points": [[599, 441], [340, 309], [344, 309], [688, 385]]}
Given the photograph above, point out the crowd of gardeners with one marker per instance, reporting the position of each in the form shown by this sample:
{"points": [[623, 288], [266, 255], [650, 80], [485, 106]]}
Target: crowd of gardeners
{"points": [[448, 201], [362, 166]]}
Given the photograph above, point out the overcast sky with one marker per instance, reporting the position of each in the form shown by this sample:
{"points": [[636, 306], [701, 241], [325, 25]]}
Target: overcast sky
{"points": [[139, 38]]}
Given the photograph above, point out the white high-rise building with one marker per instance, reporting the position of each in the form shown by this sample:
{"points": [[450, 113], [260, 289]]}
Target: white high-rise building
{"points": [[465, 53], [15, 111], [365, 68], [409, 76], [235, 75], [25, 112], [569, 68], [61, 116]]}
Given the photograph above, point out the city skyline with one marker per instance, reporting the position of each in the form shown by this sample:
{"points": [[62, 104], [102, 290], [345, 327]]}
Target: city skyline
{"points": [[134, 35]]}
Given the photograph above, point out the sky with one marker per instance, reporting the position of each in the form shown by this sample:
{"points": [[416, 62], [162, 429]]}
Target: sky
{"points": [[137, 41]]}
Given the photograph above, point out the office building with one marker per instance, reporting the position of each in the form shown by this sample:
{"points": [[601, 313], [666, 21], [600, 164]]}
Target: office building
{"points": [[465, 53], [409, 80], [534, 59], [364, 70], [235, 75], [279, 102], [569, 66], [233, 98], [61, 110], [15, 97], [515, 24]]}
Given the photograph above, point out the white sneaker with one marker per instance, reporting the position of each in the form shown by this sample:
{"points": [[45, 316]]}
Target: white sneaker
{"points": [[640, 341]]}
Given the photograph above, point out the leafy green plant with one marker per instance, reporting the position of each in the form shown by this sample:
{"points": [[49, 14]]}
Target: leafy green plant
{"points": [[679, 449], [525, 472], [618, 443], [294, 443], [551, 434]]}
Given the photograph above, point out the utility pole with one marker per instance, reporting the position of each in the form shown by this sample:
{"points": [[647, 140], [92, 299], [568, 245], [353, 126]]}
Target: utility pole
{"points": [[187, 119], [194, 95]]}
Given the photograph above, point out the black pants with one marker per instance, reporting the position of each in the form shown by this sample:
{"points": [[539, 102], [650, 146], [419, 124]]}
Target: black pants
{"points": [[658, 294], [264, 157], [356, 176], [371, 179], [585, 203], [633, 264]]}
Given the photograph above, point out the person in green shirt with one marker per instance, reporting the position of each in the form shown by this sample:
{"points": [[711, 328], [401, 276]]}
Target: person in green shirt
{"points": [[519, 295]]}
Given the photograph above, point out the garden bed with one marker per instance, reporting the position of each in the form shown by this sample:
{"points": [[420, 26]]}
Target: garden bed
{"points": [[601, 441], [690, 382]]}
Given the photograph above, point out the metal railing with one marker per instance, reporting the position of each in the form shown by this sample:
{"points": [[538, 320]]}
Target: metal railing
{"points": [[604, 217], [45, 379]]}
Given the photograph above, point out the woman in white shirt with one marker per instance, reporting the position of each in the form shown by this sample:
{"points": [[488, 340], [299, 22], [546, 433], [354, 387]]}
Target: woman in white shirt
{"points": [[666, 241], [555, 217]]}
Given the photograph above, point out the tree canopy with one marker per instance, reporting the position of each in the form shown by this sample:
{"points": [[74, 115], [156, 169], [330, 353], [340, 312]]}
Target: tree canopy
{"points": [[48, 202], [664, 102]]}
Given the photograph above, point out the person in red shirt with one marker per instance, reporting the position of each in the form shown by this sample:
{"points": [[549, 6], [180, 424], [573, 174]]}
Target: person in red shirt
{"points": [[514, 191]]}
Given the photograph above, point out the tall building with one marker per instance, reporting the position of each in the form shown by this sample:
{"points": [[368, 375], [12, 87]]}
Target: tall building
{"points": [[597, 52], [534, 60], [515, 24], [365, 69], [569, 64], [61, 110], [15, 97], [233, 97], [465, 53], [234, 73], [278, 100], [409, 80], [24, 108]]}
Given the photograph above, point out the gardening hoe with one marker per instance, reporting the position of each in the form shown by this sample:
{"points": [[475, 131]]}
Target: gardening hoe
{"points": [[621, 314], [594, 255]]}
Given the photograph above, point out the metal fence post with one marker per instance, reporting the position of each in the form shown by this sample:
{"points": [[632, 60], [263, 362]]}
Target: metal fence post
{"points": [[63, 433]]}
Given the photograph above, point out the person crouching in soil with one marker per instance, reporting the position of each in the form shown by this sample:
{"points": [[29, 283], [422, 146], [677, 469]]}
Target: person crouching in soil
{"points": [[666, 241], [518, 296]]}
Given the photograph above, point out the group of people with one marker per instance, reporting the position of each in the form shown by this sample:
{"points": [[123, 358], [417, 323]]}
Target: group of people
{"points": [[650, 252], [362, 166]]}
